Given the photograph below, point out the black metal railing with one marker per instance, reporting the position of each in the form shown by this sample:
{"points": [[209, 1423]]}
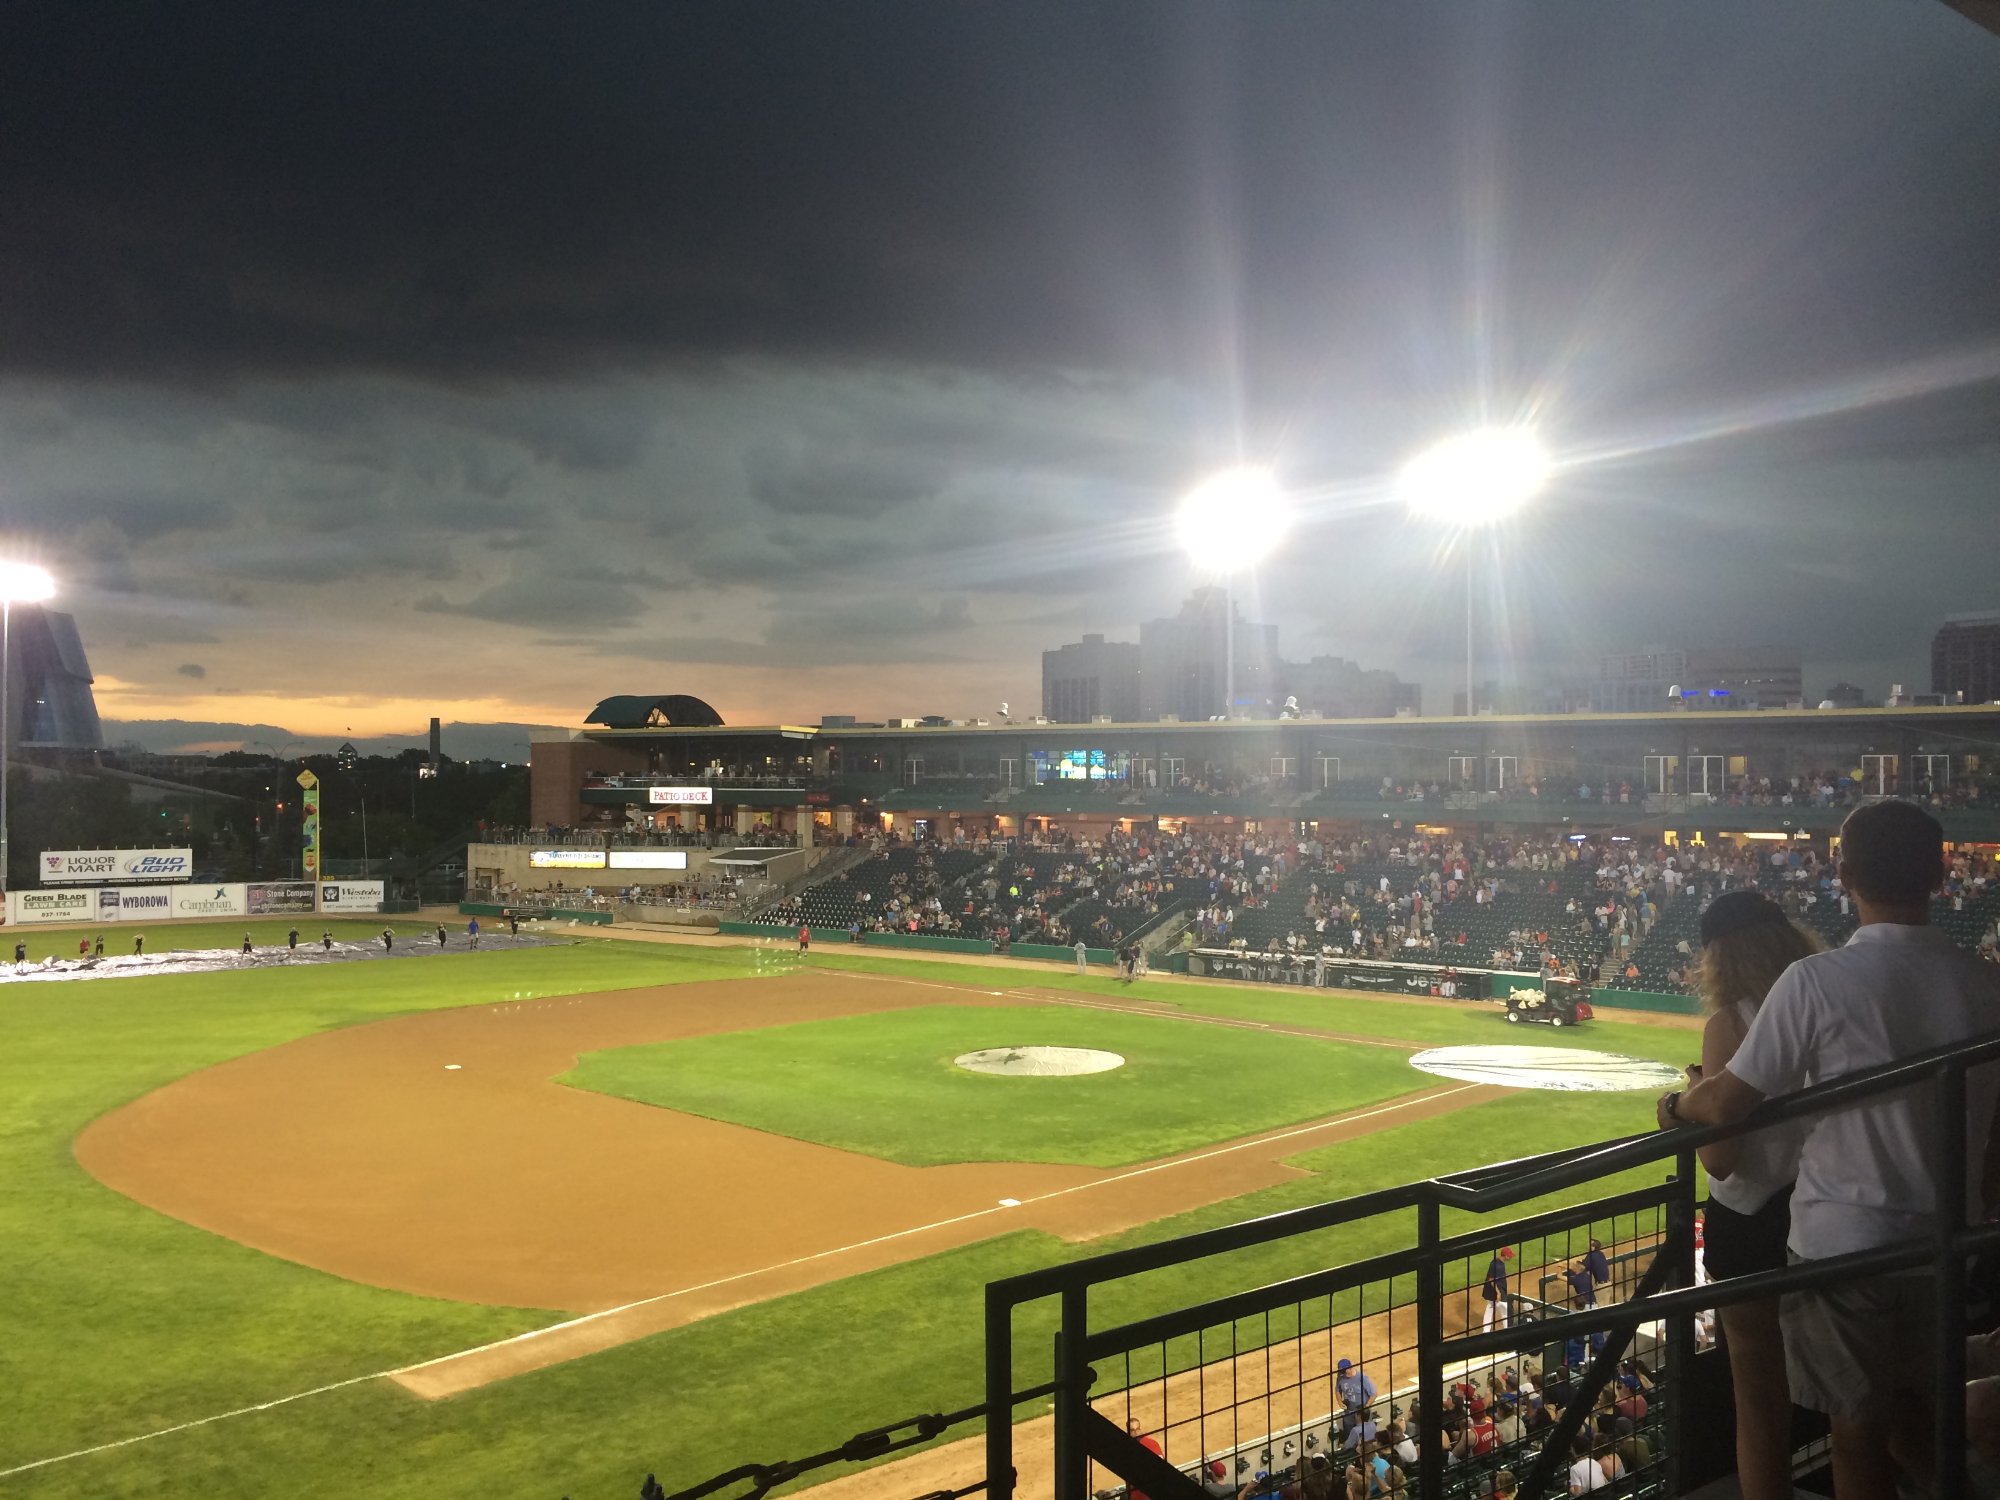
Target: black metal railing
{"points": [[1390, 1309], [1666, 1294]]}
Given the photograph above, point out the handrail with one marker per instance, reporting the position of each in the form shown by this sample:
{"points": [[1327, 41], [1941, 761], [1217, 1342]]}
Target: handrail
{"points": [[1487, 1188]]}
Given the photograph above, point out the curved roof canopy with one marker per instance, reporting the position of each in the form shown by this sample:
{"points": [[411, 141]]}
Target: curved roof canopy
{"points": [[653, 711]]}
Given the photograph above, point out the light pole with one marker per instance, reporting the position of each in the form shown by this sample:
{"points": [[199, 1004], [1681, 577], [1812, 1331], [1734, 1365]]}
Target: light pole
{"points": [[27, 584], [1227, 525], [1471, 481]]}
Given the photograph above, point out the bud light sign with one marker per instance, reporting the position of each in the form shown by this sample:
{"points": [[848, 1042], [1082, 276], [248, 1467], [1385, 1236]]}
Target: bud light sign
{"points": [[105, 866]]}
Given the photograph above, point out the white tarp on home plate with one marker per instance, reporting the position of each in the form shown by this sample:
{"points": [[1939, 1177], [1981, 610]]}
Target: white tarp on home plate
{"points": [[1572, 1069]]}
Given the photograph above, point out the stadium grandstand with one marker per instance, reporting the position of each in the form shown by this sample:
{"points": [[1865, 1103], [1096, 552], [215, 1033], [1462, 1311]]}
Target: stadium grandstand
{"points": [[1579, 845]]}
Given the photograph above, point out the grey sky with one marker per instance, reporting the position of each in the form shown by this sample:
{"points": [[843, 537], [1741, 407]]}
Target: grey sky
{"points": [[369, 362]]}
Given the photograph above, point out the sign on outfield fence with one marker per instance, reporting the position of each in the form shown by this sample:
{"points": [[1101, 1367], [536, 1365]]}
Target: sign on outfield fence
{"points": [[281, 898], [350, 895], [134, 903], [97, 866], [566, 859], [210, 900], [51, 906]]}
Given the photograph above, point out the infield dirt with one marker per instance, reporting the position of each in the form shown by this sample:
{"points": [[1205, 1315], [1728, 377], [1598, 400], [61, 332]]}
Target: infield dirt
{"points": [[366, 1153]]}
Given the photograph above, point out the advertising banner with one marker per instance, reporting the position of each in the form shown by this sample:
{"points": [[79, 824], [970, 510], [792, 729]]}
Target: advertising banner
{"points": [[350, 895], [125, 904], [681, 796], [281, 898], [96, 866], [566, 859], [309, 830], [51, 906], [1343, 973], [649, 859], [210, 901]]}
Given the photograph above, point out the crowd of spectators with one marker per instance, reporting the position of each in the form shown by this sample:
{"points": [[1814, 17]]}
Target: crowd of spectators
{"points": [[1485, 1429], [1583, 788], [620, 835], [1657, 897]]}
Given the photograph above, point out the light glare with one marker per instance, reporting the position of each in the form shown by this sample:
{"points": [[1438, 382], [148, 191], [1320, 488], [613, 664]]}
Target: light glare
{"points": [[1476, 478], [1233, 521], [25, 583]]}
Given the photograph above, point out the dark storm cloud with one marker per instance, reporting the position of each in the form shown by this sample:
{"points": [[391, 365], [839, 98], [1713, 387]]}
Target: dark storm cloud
{"points": [[141, 515], [543, 602], [766, 335], [794, 481], [478, 190]]}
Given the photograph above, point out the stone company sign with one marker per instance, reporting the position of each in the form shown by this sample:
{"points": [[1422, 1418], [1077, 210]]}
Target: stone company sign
{"points": [[108, 866]]}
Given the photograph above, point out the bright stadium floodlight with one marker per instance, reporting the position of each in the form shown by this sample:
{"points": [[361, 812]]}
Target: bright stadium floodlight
{"points": [[1227, 525], [1475, 479], [1233, 521], [20, 583]]}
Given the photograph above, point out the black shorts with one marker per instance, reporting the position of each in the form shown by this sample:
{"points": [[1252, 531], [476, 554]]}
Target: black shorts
{"points": [[1742, 1244]]}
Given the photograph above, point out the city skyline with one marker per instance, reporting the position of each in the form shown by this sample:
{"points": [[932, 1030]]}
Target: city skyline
{"points": [[370, 365]]}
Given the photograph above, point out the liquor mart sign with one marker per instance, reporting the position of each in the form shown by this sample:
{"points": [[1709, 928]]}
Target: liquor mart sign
{"points": [[108, 866], [681, 796]]}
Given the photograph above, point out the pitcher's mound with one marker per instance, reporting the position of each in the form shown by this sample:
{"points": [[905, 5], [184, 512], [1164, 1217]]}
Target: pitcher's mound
{"points": [[1039, 1062]]}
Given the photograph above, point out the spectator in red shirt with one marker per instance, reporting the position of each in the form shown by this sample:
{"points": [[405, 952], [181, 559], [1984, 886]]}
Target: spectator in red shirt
{"points": [[1138, 1435]]}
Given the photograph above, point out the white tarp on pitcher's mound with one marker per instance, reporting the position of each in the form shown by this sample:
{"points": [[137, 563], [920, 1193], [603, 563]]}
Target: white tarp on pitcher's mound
{"points": [[1575, 1070], [1039, 1062]]}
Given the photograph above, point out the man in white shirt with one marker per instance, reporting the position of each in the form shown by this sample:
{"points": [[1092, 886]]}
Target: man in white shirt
{"points": [[1898, 988]]}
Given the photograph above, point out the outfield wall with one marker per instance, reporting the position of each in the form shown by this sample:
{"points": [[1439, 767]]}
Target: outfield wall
{"points": [[162, 903], [837, 937], [554, 914]]}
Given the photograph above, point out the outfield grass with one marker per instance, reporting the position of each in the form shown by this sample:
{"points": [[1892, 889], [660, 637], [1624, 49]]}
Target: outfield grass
{"points": [[885, 1085], [115, 1321]]}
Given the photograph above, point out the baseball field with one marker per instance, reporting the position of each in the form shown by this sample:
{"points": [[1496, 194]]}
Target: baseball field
{"points": [[539, 1219]]}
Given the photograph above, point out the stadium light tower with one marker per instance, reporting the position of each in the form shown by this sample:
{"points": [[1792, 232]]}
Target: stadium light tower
{"points": [[1227, 525], [1473, 480], [22, 583]]}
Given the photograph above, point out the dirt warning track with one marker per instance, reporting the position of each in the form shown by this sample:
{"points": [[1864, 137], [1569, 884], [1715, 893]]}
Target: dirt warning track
{"points": [[435, 1154]]}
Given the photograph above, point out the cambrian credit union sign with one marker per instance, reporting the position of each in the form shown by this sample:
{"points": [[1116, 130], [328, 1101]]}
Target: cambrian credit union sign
{"points": [[109, 866]]}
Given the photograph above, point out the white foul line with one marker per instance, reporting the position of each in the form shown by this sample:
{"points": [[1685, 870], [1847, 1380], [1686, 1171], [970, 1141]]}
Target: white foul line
{"points": [[882, 1239], [725, 1281]]}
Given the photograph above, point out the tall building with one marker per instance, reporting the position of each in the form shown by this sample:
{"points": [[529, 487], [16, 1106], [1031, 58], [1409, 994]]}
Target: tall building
{"points": [[1335, 688], [1747, 676], [1090, 678], [1630, 682], [1716, 676], [49, 702], [1183, 670], [1965, 658]]}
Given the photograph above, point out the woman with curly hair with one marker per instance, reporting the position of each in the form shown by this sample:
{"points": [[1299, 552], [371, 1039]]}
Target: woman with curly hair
{"points": [[1747, 941]]}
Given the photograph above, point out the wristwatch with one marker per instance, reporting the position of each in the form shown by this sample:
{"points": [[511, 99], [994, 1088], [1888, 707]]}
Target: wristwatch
{"points": [[1672, 1105]]}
